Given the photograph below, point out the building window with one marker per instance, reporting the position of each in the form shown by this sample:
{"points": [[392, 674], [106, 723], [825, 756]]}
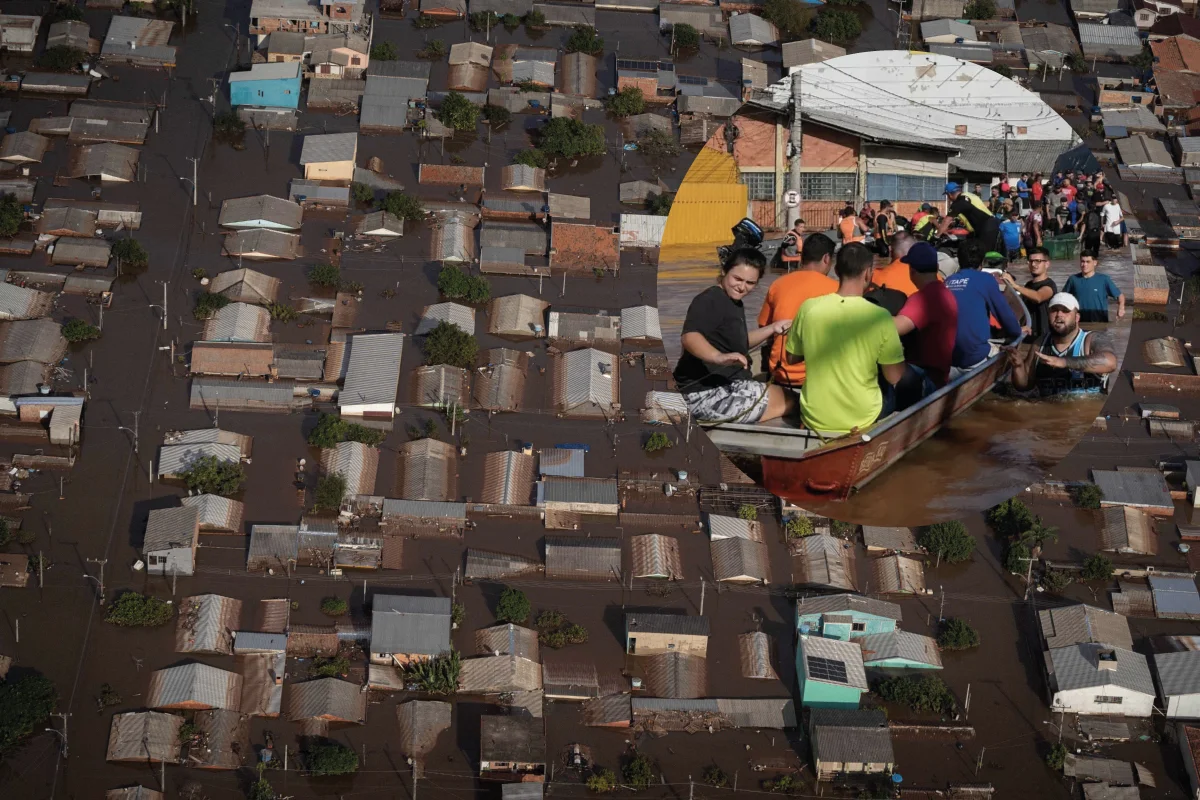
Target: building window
{"points": [[761, 185], [903, 188], [858, 627], [828, 185], [1108, 699], [355, 61], [156, 560]]}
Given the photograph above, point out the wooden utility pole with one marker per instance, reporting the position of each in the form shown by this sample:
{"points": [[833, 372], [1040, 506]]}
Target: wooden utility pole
{"points": [[101, 562], [702, 585]]}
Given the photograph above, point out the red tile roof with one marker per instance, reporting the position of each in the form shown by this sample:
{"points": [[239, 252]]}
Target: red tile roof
{"points": [[576, 246], [446, 175], [1176, 54]]}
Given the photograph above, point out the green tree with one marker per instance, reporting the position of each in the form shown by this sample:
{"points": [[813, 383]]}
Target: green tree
{"points": [[657, 441], [1010, 518], [207, 304], [133, 610], [747, 512], [834, 24], [1088, 495], [404, 206], [78, 330], [483, 20], [1143, 60], [1038, 535], [25, 705], [570, 138], [789, 16], [602, 781], [1016, 558], [658, 145], [980, 10], [384, 51], [714, 776], [532, 157], [1057, 756], [436, 48], [660, 204], [326, 276], [210, 475], [784, 784], [1097, 567], [510, 22], [64, 12], [334, 606], [449, 344], [1056, 581], [535, 19], [228, 125], [455, 284], [282, 312], [330, 758], [584, 39], [330, 667], [61, 58], [686, 37], [513, 607], [11, 216], [331, 430], [497, 115], [949, 541], [261, 788], [458, 112], [436, 675], [799, 526], [130, 253], [458, 614], [1004, 70], [638, 771], [6, 532], [575, 633], [957, 634], [626, 103], [331, 490], [362, 193], [922, 693]]}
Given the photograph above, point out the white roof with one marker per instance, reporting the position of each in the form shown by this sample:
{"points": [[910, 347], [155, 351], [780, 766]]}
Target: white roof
{"points": [[267, 72], [926, 94]]}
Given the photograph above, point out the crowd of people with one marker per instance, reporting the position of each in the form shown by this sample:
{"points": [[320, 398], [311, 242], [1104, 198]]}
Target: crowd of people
{"points": [[846, 342]]}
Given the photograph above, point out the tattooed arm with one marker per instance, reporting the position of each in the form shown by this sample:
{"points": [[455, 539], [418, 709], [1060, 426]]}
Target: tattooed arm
{"points": [[1099, 359]]}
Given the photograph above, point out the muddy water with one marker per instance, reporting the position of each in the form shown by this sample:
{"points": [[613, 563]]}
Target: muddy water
{"points": [[984, 456]]}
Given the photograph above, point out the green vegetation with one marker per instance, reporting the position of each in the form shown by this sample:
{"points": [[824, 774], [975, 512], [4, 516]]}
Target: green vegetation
{"points": [[657, 441], [570, 138], [61, 58], [133, 610], [449, 344], [497, 115], [458, 113], [658, 145], [798, 527], [660, 204], [331, 430], [1003, 69], [199, 273], [1016, 558], [1057, 756], [513, 607], [130, 253], [535, 19], [207, 304], [187, 731], [842, 530], [1097, 567], [1038, 535], [1010, 518], [602, 781], [747, 512], [228, 125], [330, 758], [423, 21], [686, 37], [63, 12], [949, 541], [334, 606], [483, 20], [714, 776], [957, 634], [638, 771], [1143, 60], [455, 284], [210, 475], [980, 10], [326, 276], [458, 614], [1076, 62], [834, 24], [404, 206], [784, 784], [533, 157], [25, 705], [1149, 316], [920, 693], [6, 532], [362, 193], [790, 16], [510, 22], [331, 490], [427, 431], [282, 312], [110, 697], [436, 48], [555, 631], [436, 675], [261, 788], [584, 39], [626, 103], [1056, 582], [11, 216], [1088, 496], [78, 330], [330, 667], [384, 51]]}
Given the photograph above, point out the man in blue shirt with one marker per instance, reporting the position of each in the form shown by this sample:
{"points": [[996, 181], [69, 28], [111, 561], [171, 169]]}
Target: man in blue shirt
{"points": [[1093, 290], [1023, 189], [979, 298], [1011, 230]]}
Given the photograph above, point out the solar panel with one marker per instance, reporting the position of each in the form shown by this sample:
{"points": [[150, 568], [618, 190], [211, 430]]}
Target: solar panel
{"points": [[826, 669], [647, 66], [695, 80]]}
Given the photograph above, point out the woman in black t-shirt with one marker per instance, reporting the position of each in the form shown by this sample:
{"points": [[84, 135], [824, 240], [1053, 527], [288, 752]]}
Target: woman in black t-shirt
{"points": [[713, 374]]}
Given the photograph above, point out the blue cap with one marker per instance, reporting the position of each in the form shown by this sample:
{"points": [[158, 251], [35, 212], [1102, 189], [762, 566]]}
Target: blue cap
{"points": [[922, 257], [952, 187]]}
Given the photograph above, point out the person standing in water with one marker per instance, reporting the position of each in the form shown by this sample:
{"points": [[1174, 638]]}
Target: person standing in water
{"points": [[713, 374], [1070, 361]]}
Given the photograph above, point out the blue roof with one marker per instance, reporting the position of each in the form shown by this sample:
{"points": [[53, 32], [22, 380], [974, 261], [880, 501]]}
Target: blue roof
{"points": [[1175, 598]]}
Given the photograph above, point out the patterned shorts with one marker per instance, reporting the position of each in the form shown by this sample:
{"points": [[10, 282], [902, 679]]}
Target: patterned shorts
{"points": [[740, 402]]}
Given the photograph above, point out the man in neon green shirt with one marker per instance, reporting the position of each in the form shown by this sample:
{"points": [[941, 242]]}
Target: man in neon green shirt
{"points": [[843, 340]]}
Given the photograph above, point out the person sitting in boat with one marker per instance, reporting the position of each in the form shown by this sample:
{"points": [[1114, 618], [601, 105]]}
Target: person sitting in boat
{"points": [[896, 274], [845, 341], [928, 327], [713, 374], [1069, 360], [785, 297], [979, 301], [851, 227]]}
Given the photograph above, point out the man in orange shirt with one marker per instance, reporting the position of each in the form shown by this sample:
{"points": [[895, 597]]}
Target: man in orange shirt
{"points": [[895, 275], [785, 297]]}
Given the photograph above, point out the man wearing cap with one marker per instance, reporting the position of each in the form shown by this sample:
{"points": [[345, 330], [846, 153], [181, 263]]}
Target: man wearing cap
{"points": [[924, 223], [974, 215], [979, 301], [1071, 361], [928, 326]]}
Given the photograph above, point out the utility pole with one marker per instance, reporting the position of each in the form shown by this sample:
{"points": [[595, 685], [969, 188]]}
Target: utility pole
{"points": [[63, 732], [195, 162], [979, 763], [164, 283], [41, 569], [1007, 131], [702, 585], [967, 704], [795, 182], [942, 608], [101, 562]]}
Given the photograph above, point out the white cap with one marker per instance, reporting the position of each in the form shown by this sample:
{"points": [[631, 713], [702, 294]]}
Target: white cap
{"points": [[1065, 300]]}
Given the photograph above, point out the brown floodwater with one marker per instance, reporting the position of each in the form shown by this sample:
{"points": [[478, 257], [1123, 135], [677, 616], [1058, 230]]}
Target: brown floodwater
{"points": [[984, 456]]}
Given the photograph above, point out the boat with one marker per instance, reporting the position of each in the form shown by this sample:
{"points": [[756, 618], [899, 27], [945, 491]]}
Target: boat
{"points": [[802, 467]]}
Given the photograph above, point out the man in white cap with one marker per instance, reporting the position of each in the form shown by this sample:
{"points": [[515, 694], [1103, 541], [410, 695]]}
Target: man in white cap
{"points": [[1070, 361]]}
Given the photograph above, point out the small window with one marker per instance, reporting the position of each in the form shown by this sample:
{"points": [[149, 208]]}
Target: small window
{"points": [[1106, 699], [858, 627], [355, 61], [760, 185], [828, 185]]}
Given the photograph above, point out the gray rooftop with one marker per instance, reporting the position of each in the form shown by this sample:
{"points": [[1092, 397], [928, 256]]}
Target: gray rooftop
{"points": [[678, 624], [322, 148], [1178, 673], [410, 625], [842, 735], [1076, 667]]}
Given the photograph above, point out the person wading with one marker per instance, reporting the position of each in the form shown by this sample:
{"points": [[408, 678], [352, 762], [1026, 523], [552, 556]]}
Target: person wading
{"points": [[1093, 291], [1069, 361], [1037, 291]]}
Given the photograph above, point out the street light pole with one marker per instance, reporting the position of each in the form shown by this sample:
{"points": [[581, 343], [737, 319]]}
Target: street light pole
{"points": [[195, 164], [100, 580]]}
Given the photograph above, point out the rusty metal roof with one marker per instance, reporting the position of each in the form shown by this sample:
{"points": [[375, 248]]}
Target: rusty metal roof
{"points": [[421, 723], [675, 675], [508, 478], [507, 640], [656, 555], [426, 469], [205, 624], [755, 651], [490, 565]]}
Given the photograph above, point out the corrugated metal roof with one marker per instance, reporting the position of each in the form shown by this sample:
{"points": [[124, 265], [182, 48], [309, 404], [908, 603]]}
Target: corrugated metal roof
{"points": [[1084, 624], [773, 713], [1076, 667], [507, 640], [531, 238], [263, 243], [734, 528], [755, 649], [81, 252], [424, 509], [23, 147], [22, 378], [878, 647], [678, 624], [739, 560], [441, 385], [38, 340], [354, 461], [205, 624], [328, 147], [899, 539], [171, 528], [601, 329], [562, 462], [374, 371], [522, 177], [239, 322], [752, 29], [243, 211], [426, 470], [508, 478], [489, 565], [500, 383], [106, 161], [247, 359], [144, 736], [226, 738], [517, 315], [579, 75], [570, 680], [1127, 530], [1178, 673], [1175, 598], [594, 491], [583, 557], [456, 314], [272, 546], [675, 675], [847, 653], [845, 735], [587, 383], [475, 53], [173, 460], [497, 674], [421, 723], [410, 625], [194, 686], [380, 223], [1138, 489], [898, 574], [246, 286], [512, 739], [327, 698], [640, 322], [259, 642], [139, 39], [504, 261], [1095, 33], [453, 237], [613, 709], [826, 561], [656, 555]]}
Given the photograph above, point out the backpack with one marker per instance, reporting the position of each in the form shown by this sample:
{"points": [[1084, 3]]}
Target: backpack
{"points": [[891, 299]]}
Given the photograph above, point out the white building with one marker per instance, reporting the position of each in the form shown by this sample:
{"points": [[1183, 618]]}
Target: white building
{"points": [[1100, 679], [1177, 676]]}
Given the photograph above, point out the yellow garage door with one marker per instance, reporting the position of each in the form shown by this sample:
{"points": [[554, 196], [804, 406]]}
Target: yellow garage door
{"points": [[709, 202]]}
